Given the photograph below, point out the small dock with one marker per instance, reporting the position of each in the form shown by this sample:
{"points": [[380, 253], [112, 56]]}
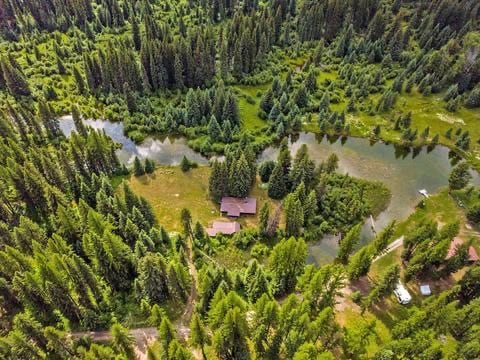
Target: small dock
{"points": [[424, 193]]}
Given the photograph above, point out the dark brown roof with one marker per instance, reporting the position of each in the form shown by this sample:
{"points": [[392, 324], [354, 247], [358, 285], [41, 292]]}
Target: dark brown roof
{"points": [[223, 227], [236, 206]]}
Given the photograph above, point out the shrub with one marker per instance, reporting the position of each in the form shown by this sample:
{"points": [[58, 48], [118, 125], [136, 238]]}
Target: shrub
{"points": [[356, 297], [259, 250], [473, 213]]}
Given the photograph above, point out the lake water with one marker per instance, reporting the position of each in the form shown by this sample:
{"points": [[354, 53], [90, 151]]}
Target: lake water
{"points": [[165, 151], [404, 173]]}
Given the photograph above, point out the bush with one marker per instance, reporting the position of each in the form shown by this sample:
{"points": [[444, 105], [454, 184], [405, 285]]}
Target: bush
{"points": [[244, 238], [259, 250], [265, 170], [473, 213], [356, 297], [186, 164]]}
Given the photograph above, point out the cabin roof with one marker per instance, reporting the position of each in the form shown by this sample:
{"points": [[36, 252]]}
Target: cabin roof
{"points": [[236, 206], [223, 227], [456, 242]]}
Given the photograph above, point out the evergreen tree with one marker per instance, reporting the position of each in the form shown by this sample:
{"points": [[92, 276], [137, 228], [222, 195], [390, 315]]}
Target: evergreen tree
{"points": [[264, 219], [198, 335], [277, 188], [287, 261], [122, 341], [218, 181], [79, 81], [185, 164], [82, 130], [348, 243], [360, 263], [138, 168], [129, 98], [152, 282], [240, 178], [294, 215], [214, 130], [136, 33], [473, 99], [265, 170], [459, 177], [14, 78], [149, 166]]}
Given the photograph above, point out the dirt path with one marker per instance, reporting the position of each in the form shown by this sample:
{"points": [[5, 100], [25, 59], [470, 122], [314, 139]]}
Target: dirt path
{"points": [[183, 324]]}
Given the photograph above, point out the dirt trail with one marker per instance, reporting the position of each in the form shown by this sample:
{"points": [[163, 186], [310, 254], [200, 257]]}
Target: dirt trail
{"points": [[183, 324]]}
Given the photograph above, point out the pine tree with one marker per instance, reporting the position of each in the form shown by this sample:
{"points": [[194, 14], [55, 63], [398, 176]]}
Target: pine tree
{"points": [[348, 243], [287, 262], [81, 129], [129, 98], [264, 219], [138, 168], [227, 132], [359, 263], [311, 81], [277, 188], [152, 281], [301, 97], [293, 215], [265, 170], [14, 79], [351, 104], [149, 166], [122, 341], [459, 176], [185, 164], [198, 336], [473, 99], [186, 218], [231, 336], [218, 181], [214, 130], [80, 83], [137, 41], [240, 178]]}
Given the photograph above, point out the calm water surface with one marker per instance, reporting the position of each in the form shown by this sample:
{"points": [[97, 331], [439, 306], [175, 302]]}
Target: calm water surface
{"points": [[165, 151], [404, 173]]}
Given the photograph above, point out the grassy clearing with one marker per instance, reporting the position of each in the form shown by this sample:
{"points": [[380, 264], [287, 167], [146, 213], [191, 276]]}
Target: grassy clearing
{"points": [[169, 190], [350, 318], [440, 207], [248, 105]]}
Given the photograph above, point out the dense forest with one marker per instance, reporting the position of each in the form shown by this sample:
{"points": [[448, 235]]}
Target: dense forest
{"points": [[81, 251]]}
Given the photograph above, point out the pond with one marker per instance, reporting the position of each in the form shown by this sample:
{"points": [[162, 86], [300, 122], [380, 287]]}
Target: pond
{"points": [[404, 173], [164, 151]]}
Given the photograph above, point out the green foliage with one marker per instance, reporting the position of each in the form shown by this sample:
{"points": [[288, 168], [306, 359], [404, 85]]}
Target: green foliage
{"points": [[459, 177], [287, 261], [348, 243]]}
